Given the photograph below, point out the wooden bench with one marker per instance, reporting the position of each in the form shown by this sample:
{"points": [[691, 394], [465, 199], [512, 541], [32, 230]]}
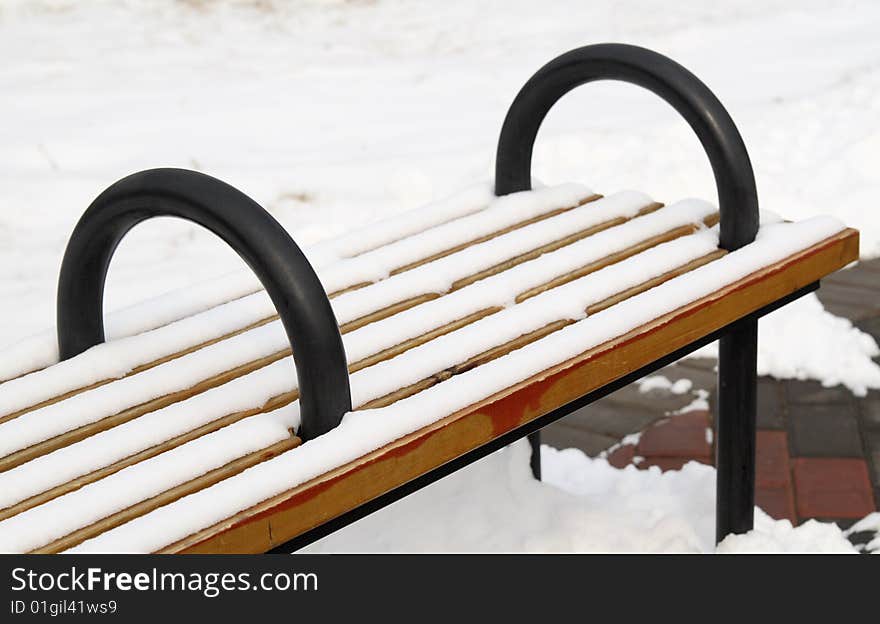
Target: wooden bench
{"points": [[453, 330]]}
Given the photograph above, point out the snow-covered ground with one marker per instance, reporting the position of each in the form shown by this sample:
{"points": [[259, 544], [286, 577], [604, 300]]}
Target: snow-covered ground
{"points": [[333, 114], [495, 505]]}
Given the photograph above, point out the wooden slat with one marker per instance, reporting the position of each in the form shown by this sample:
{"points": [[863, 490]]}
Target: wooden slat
{"points": [[607, 261], [529, 337], [215, 425], [392, 309], [286, 398], [488, 237], [543, 249], [24, 455], [169, 496], [133, 371], [291, 513], [81, 433], [656, 281]]}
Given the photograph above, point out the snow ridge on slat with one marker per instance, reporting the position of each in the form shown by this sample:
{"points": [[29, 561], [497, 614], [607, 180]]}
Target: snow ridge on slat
{"points": [[569, 302], [367, 430], [182, 373], [39, 351], [252, 391], [543, 269], [117, 358], [499, 290]]}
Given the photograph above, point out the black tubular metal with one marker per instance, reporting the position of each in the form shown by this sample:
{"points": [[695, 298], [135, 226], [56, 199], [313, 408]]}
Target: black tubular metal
{"points": [[737, 195], [268, 249], [737, 202], [535, 459], [735, 429]]}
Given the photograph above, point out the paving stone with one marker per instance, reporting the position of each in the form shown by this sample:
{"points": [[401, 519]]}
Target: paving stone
{"points": [[707, 364], [824, 431], [872, 445], [861, 538], [654, 401], [702, 378], [832, 488], [671, 463], [693, 418], [777, 502], [852, 312], [814, 392], [870, 326], [842, 523], [770, 413], [870, 410], [612, 419], [866, 265], [860, 276], [622, 456], [861, 305], [671, 440], [849, 295], [560, 436], [772, 462]]}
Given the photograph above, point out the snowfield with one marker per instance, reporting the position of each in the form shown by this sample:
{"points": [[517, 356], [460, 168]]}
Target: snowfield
{"points": [[335, 114]]}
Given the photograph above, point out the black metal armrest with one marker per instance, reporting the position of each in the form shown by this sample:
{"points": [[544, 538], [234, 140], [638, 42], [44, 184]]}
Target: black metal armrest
{"points": [[737, 195], [292, 284]]}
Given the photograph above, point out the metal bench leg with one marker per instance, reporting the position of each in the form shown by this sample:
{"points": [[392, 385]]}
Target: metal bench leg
{"points": [[735, 429], [535, 462]]}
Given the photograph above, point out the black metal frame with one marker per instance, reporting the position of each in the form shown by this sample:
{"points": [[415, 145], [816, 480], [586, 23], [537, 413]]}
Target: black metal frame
{"points": [[299, 297], [737, 202], [308, 317]]}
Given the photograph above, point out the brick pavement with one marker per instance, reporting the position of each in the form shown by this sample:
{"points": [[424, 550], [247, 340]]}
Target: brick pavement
{"points": [[818, 449]]}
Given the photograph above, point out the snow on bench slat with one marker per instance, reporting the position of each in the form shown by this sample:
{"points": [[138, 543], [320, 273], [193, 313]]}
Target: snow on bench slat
{"points": [[364, 431], [108, 447], [97, 364], [184, 372], [41, 350], [253, 390], [439, 276], [131, 485], [115, 359], [83, 507], [502, 213]]}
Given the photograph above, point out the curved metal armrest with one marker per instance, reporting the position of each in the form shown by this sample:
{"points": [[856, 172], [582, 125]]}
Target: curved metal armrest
{"points": [[737, 195], [292, 284]]}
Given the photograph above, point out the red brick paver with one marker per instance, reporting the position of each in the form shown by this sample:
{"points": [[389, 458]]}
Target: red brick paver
{"points": [[772, 468], [832, 488], [671, 463], [622, 456], [774, 492], [682, 436], [777, 502]]}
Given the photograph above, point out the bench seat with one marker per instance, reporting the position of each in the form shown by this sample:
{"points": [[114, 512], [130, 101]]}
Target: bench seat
{"points": [[462, 322]]}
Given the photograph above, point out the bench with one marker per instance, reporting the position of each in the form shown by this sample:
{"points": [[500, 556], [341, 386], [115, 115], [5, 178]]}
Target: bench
{"points": [[451, 331]]}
